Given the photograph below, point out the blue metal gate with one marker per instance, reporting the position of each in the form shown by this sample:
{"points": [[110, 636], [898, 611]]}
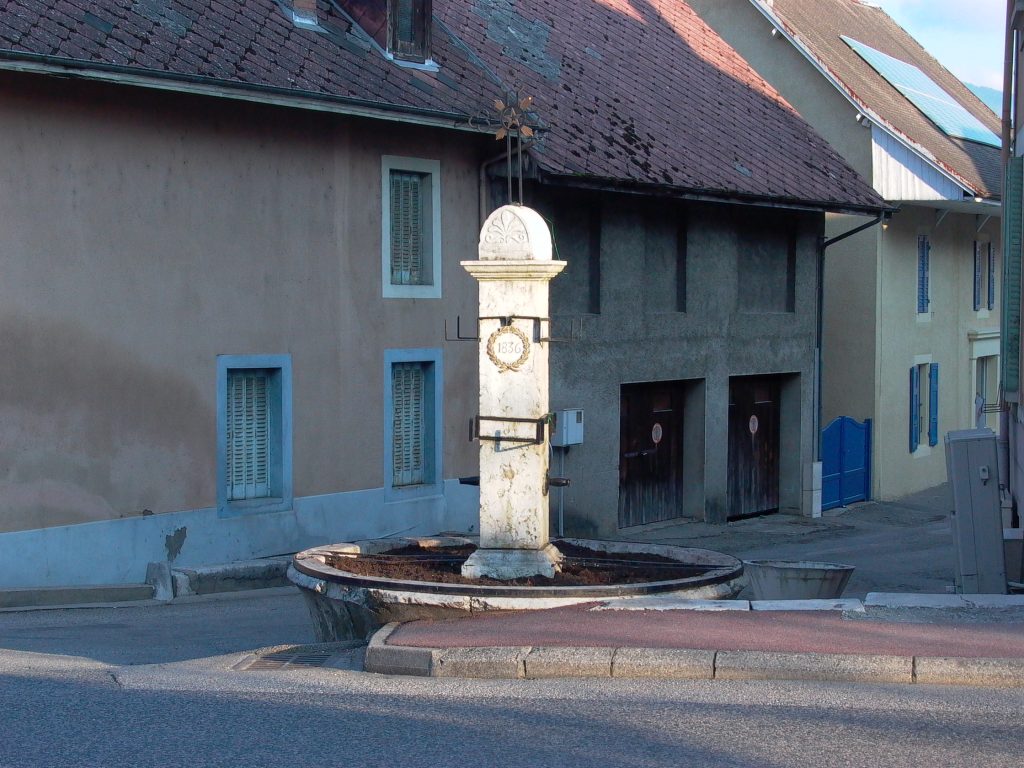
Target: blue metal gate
{"points": [[845, 462]]}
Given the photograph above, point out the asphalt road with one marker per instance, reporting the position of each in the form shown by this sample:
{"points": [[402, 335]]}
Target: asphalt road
{"points": [[156, 686]]}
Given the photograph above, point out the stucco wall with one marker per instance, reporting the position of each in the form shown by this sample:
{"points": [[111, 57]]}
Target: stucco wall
{"points": [[715, 338], [942, 336], [850, 321], [144, 234]]}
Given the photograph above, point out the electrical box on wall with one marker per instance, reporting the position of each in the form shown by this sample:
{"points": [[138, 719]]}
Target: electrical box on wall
{"points": [[568, 428]]}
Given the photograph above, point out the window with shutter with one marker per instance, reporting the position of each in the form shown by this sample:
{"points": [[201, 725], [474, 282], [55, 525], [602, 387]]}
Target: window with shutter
{"points": [[408, 395], [248, 437], [410, 228], [254, 447], [412, 423], [923, 248], [409, 258]]}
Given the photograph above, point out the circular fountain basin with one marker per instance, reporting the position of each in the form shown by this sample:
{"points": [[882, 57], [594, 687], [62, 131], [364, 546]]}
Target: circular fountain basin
{"points": [[349, 606]]}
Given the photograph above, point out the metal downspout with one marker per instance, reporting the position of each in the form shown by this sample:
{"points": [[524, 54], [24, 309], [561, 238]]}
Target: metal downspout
{"points": [[819, 331]]}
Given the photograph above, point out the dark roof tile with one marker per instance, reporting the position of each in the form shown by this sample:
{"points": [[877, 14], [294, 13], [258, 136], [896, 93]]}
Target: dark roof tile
{"points": [[639, 92]]}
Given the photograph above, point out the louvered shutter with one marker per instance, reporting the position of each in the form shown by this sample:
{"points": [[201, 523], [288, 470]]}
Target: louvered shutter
{"points": [[915, 408], [933, 404], [991, 277], [408, 394], [922, 273], [408, 241], [248, 434], [1012, 213], [977, 275]]}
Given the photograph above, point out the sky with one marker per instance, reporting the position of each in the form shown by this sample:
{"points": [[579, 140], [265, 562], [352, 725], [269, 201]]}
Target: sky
{"points": [[966, 36]]}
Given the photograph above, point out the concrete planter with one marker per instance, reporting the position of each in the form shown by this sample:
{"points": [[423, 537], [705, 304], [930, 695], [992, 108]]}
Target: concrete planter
{"points": [[796, 580]]}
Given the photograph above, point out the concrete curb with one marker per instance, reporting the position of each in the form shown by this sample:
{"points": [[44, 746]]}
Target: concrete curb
{"points": [[53, 597], [684, 664]]}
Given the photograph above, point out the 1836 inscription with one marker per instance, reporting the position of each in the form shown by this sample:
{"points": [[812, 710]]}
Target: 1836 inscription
{"points": [[508, 348]]}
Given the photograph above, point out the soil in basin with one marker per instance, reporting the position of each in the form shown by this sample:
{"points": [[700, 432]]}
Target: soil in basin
{"points": [[581, 567]]}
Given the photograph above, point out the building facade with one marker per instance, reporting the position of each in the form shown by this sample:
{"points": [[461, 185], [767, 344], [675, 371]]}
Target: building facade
{"points": [[912, 301], [232, 281]]}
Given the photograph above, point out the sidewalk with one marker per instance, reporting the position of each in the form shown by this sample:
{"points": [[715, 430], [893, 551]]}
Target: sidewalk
{"points": [[903, 625], [888, 638]]}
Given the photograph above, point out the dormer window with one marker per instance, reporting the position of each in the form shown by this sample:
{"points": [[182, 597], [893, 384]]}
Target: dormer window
{"points": [[409, 29]]}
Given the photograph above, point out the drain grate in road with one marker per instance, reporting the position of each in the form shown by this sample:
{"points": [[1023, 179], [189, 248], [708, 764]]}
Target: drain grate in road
{"points": [[291, 658]]}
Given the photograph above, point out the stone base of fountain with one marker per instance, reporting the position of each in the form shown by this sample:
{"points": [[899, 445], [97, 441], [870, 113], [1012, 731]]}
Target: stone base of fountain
{"points": [[346, 606]]}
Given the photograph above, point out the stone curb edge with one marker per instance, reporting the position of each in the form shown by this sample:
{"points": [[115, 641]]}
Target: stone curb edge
{"points": [[679, 663]]}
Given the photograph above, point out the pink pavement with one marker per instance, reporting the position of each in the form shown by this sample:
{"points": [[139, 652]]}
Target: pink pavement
{"points": [[774, 631]]}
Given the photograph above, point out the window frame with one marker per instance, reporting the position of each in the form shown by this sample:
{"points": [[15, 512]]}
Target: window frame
{"points": [[432, 484], [281, 498], [432, 169]]}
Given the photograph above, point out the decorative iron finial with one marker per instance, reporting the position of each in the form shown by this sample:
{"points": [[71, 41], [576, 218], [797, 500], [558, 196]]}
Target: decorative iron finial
{"points": [[509, 120], [512, 118]]}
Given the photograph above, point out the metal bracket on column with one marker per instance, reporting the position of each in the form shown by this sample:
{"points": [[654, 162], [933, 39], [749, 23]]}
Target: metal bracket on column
{"points": [[540, 424], [539, 325], [458, 332]]}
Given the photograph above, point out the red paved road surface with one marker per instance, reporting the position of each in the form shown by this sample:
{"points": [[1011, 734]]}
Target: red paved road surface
{"points": [[783, 631]]}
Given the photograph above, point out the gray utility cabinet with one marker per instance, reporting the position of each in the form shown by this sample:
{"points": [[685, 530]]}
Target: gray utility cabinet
{"points": [[972, 465]]}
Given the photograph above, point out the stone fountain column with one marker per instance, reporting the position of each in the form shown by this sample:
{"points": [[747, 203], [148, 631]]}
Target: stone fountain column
{"points": [[513, 270]]}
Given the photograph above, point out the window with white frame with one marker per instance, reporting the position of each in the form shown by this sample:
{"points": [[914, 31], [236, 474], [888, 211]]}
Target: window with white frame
{"points": [[410, 228], [413, 418], [923, 256], [253, 433]]}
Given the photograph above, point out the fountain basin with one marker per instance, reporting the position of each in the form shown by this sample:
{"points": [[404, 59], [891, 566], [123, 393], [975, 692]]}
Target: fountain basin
{"points": [[348, 606]]}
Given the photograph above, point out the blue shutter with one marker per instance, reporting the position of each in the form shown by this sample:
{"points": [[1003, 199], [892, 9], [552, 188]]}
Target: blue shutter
{"points": [[977, 275], [915, 408], [922, 273], [991, 277], [933, 404]]}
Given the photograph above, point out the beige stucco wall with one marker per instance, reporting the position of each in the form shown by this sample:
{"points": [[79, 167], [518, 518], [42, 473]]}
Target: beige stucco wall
{"points": [[146, 233], [942, 336], [850, 321]]}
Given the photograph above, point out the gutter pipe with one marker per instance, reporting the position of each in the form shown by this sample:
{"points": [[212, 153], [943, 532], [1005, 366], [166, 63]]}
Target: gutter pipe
{"points": [[819, 331]]}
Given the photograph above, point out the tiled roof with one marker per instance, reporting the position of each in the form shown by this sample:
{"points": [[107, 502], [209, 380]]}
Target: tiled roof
{"points": [[644, 91], [818, 24], [630, 92], [246, 43]]}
